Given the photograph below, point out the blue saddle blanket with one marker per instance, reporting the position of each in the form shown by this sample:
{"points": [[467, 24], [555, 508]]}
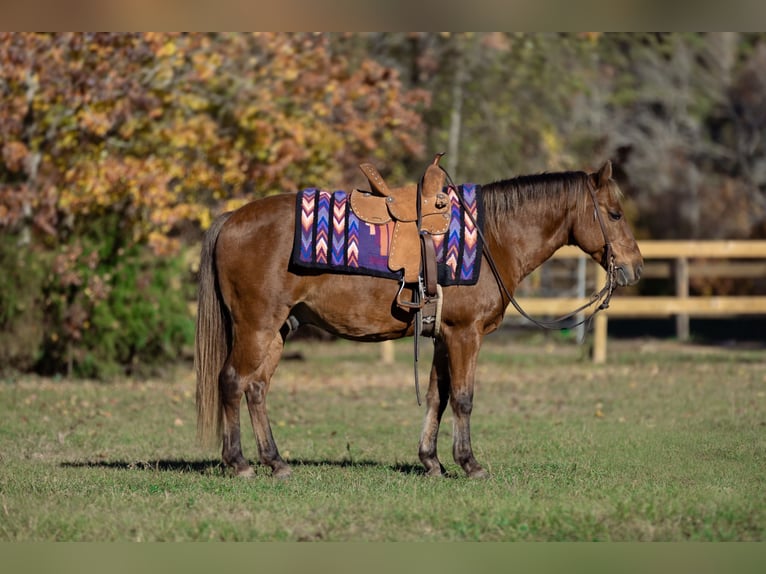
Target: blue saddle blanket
{"points": [[330, 237]]}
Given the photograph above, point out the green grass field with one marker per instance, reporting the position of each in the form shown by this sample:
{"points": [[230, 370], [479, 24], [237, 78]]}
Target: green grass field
{"points": [[666, 442]]}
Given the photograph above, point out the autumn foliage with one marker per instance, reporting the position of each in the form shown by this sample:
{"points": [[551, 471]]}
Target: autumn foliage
{"points": [[114, 142], [117, 150], [166, 129]]}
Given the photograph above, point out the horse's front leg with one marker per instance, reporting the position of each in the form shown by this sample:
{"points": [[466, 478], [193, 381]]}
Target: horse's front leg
{"points": [[436, 402], [463, 349]]}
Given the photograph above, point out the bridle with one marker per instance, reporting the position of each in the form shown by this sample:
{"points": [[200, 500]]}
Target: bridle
{"points": [[602, 297]]}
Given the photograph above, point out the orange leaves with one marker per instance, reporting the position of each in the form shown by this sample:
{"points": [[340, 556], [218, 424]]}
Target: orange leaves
{"points": [[14, 154], [325, 113], [113, 142], [167, 127], [205, 65], [161, 244], [94, 122]]}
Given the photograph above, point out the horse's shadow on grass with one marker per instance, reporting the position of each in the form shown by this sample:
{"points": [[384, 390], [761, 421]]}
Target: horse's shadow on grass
{"points": [[214, 467]]}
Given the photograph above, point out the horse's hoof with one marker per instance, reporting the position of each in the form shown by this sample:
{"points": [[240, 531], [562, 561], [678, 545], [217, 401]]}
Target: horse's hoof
{"points": [[436, 471], [246, 472], [282, 472], [478, 473]]}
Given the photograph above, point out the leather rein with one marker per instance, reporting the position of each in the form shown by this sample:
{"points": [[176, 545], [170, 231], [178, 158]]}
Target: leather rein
{"points": [[603, 296]]}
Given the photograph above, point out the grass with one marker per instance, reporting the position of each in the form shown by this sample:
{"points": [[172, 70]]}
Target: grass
{"points": [[666, 442]]}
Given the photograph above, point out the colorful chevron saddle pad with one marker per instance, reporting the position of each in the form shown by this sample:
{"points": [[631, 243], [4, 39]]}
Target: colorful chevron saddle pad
{"points": [[330, 237]]}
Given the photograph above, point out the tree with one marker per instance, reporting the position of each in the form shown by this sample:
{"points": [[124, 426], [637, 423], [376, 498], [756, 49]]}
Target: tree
{"points": [[677, 104], [504, 104], [113, 142]]}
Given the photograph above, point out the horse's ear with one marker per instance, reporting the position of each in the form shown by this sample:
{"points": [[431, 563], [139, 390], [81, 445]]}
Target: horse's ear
{"points": [[604, 174]]}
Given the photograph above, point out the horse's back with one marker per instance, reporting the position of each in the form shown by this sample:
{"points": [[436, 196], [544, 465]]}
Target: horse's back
{"points": [[247, 225]]}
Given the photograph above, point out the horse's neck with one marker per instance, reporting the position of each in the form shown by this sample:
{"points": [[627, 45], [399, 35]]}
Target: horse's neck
{"points": [[530, 238]]}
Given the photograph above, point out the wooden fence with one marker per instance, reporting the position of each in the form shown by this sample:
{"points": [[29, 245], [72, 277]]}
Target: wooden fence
{"points": [[686, 259], [680, 260]]}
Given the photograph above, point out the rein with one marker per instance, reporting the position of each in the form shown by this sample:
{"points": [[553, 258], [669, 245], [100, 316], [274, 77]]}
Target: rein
{"points": [[604, 295]]}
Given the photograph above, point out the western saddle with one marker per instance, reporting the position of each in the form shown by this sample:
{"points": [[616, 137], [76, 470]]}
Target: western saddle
{"points": [[419, 211]]}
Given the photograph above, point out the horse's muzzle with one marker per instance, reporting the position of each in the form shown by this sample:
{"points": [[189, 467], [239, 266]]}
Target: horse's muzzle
{"points": [[628, 274]]}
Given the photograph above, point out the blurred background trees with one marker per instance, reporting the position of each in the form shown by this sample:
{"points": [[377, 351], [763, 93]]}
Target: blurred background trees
{"points": [[117, 150]]}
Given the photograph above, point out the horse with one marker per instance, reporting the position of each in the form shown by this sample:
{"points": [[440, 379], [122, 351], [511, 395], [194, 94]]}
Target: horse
{"points": [[250, 299]]}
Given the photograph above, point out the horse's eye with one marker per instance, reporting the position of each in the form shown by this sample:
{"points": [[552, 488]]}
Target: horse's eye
{"points": [[615, 215]]}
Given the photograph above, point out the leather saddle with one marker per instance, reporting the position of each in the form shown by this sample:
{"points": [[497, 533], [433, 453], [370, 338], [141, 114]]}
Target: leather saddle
{"points": [[419, 212]]}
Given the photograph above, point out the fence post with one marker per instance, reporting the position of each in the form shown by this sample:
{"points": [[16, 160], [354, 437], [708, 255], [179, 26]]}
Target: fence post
{"points": [[599, 338], [681, 272], [387, 352]]}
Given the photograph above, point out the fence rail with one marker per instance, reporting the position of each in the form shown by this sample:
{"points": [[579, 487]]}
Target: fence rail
{"points": [[683, 306], [673, 259]]}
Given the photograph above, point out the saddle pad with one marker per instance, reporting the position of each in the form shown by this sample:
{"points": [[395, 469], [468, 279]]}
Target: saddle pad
{"points": [[330, 237]]}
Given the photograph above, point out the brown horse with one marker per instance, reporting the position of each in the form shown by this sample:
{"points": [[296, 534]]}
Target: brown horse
{"points": [[249, 298]]}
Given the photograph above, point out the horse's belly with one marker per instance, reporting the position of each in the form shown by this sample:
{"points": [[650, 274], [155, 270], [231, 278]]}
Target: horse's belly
{"points": [[359, 308]]}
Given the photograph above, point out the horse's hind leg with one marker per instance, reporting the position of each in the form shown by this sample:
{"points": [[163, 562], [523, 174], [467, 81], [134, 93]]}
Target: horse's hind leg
{"points": [[256, 389], [436, 402], [231, 397], [248, 371]]}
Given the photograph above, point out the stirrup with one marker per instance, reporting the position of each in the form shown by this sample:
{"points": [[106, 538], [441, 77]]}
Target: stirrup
{"points": [[417, 302]]}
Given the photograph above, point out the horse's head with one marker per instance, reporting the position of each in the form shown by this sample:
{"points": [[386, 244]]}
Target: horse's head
{"points": [[604, 233]]}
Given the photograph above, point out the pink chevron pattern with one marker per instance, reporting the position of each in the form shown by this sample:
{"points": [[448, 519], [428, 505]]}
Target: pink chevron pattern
{"points": [[452, 254], [307, 224], [330, 237], [438, 242]]}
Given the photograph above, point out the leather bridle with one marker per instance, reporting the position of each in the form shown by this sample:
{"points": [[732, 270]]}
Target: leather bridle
{"points": [[602, 297]]}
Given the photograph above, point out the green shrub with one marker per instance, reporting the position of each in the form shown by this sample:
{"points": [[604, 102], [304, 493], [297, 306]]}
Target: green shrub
{"points": [[21, 310], [145, 320], [115, 311]]}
